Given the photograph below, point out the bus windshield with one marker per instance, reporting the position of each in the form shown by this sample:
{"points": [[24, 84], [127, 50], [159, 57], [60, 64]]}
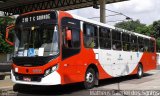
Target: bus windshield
{"points": [[41, 40]]}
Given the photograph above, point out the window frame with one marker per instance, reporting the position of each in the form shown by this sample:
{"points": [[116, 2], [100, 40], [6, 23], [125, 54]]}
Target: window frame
{"points": [[126, 40], [102, 36], [94, 36], [116, 39], [135, 43], [152, 47], [140, 43], [69, 51]]}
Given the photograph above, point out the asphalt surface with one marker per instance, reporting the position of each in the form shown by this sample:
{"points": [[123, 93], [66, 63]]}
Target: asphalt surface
{"points": [[150, 81]]}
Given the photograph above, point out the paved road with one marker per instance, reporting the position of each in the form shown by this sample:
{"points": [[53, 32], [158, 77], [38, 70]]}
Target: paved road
{"points": [[150, 81]]}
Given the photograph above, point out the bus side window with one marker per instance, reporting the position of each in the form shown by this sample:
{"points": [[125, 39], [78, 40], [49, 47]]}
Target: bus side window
{"points": [[70, 36], [74, 41], [141, 44], [134, 44], [151, 46], [105, 38], [126, 41], [116, 40], [90, 36], [146, 43]]}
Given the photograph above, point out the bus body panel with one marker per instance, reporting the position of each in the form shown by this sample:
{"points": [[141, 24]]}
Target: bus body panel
{"points": [[120, 63], [52, 79], [148, 61]]}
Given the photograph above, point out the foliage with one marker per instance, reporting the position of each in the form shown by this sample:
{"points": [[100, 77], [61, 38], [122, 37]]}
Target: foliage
{"points": [[144, 30], [6, 20], [4, 46], [136, 26], [156, 28], [129, 25]]}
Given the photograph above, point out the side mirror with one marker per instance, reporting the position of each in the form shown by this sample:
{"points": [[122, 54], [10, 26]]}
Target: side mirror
{"points": [[68, 35], [8, 29]]}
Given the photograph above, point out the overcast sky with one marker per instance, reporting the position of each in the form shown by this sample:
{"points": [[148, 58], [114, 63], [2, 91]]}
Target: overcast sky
{"points": [[146, 11]]}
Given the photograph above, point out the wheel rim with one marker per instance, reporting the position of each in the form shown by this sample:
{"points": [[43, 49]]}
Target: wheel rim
{"points": [[89, 77], [140, 71]]}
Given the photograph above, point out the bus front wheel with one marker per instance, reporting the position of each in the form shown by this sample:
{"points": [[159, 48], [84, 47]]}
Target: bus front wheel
{"points": [[140, 71], [90, 78]]}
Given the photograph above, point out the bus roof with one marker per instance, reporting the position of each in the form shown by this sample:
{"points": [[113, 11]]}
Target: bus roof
{"points": [[108, 26]]}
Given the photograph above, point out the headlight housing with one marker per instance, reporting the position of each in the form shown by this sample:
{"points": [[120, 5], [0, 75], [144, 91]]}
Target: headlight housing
{"points": [[50, 70]]}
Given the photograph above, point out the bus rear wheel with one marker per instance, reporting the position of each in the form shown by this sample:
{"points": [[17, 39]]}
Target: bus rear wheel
{"points": [[90, 78], [140, 71]]}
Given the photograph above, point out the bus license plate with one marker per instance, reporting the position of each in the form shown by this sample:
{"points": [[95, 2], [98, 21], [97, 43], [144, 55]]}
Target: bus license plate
{"points": [[27, 79]]}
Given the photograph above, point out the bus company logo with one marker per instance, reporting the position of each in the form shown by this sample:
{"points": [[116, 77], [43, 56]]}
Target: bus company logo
{"points": [[120, 57], [37, 71]]}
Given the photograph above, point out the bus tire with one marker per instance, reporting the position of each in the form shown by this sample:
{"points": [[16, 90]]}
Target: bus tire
{"points": [[90, 78], [140, 71], [2, 77]]}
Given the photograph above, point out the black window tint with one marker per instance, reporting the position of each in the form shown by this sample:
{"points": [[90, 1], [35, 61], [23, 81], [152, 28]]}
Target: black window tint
{"points": [[152, 46], [105, 38], [146, 45], [76, 38], [134, 44], [90, 36], [126, 41], [140, 44], [89, 30], [70, 46], [75, 41], [116, 40], [116, 35]]}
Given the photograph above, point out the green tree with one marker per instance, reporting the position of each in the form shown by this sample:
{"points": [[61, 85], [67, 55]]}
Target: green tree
{"points": [[156, 31], [144, 30], [156, 28], [4, 46], [136, 26], [129, 25]]}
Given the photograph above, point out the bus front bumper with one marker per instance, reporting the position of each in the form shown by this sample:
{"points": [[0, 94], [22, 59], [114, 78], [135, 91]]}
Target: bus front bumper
{"points": [[52, 79]]}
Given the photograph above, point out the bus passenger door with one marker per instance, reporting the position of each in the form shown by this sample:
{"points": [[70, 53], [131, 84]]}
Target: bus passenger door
{"points": [[70, 49]]}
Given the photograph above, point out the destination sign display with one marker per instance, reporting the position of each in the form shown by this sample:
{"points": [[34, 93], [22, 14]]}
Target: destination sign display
{"points": [[36, 17]]}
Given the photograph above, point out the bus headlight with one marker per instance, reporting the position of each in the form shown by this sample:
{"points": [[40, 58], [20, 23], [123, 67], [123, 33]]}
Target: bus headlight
{"points": [[54, 68], [16, 70], [50, 70], [47, 72]]}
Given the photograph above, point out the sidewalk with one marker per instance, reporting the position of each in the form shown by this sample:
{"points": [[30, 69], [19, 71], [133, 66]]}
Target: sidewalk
{"points": [[149, 82], [5, 84]]}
